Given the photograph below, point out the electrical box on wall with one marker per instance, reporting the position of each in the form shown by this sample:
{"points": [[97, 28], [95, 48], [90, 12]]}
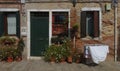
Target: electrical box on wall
{"points": [[108, 6], [24, 31]]}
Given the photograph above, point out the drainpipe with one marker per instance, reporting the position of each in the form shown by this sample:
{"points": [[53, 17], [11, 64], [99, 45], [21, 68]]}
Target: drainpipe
{"points": [[115, 28]]}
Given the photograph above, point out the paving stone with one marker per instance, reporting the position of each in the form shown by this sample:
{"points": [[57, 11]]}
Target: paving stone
{"points": [[40, 65]]}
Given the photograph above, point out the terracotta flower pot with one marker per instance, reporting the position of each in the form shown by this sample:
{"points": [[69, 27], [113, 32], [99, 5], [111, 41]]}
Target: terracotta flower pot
{"points": [[52, 60], [69, 59], [78, 60], [0, 60], [18, 58], [9, 59], [62, 60]]}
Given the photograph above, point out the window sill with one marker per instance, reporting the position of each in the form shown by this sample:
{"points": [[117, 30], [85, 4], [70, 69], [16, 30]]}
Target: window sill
{"points": [[90, 38]]}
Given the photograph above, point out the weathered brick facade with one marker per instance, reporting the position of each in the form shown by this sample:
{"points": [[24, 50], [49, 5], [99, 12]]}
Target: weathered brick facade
{"points": [[107, 26], [107, 18]]}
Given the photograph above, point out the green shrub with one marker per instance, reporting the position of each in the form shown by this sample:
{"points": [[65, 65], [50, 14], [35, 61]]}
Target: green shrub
{"points": [[58, 51], [50, 52], [9, 48], [6, 40], [21, 45]]}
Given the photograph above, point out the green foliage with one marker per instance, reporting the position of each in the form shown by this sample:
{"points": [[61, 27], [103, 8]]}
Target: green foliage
{"points": [[77, 54], [10, 47], [58, 51], [17, 53], [2, 54], [63, 53], [67, 46], [21, 45], [56, 40], [10, 51], [6, 40], [75, 27], [74, 30], [50, 52]]}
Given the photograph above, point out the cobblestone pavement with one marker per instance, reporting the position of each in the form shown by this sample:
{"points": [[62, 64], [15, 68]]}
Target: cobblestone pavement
{"points": [[40, 65]]}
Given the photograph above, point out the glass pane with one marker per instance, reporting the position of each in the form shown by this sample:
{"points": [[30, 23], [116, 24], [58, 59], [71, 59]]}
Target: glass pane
{"points": [[60, 17], [90, 23], [59, 26], [11, 20], [59, 23]]}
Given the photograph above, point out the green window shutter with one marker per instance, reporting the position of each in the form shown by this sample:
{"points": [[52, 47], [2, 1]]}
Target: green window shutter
{"points": [[18, 24], [96, 24], [1, 24], [83, 24]]}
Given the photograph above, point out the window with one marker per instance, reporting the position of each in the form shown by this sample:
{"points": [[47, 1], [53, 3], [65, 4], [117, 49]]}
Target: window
{"points": [[9, 22], [59, 23], [59, 26], [90, 24]]}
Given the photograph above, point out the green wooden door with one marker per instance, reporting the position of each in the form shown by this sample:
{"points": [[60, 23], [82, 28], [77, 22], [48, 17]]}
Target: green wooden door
{"points": [[39, 32]]}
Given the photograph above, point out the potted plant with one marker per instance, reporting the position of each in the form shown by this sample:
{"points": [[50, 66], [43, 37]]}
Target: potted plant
{"points": [[74, 30], [68, 49], [17, 55], [58, 52], [9, 54], [77, 55], [74, 34], [57, 40], [2, 54], [70, 57], [6, 40], [10, 58], [62, 53], [10, 50], [21, 45], [51, 53]]}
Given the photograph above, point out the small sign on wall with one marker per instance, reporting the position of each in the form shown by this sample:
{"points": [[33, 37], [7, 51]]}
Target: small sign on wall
{"points": [[24, 31], [108, 7]]}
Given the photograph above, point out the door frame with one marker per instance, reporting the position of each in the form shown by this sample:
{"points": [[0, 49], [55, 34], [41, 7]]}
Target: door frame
{"points": [[100, 17], [50, 27]]}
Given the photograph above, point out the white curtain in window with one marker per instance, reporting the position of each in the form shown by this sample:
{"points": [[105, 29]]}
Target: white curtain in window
{"points": [[11, 20]]}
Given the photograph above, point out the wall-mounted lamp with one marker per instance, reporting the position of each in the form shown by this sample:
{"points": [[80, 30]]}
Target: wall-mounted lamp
{"points": [[114, 3], [74, 2]]}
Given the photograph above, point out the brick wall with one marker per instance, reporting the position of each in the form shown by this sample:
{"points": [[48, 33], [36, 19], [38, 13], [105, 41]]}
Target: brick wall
{"points": [[107, 17], [10, 6], [107, 36]]}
